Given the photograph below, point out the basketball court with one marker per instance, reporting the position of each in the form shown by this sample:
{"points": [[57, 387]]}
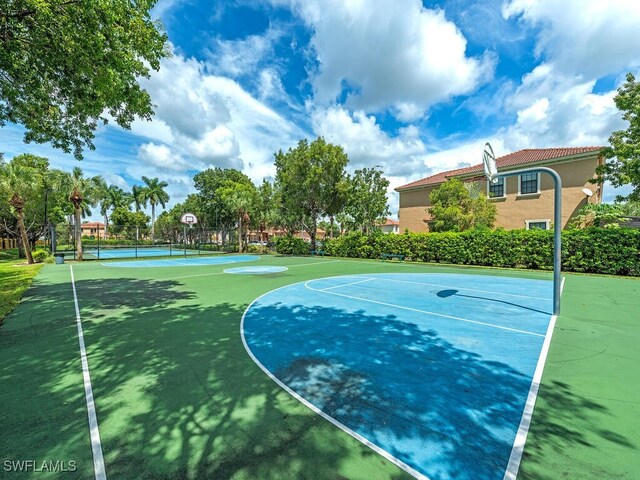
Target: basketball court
{"points": [[292, 367]]}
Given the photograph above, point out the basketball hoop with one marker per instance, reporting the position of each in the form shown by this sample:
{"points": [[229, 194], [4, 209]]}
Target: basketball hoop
{"points": [[491, 171], [489, 160], [189, 219]]}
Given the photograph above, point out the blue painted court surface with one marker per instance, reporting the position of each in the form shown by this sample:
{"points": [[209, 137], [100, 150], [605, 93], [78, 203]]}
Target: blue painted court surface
{"points": [[257, 270], [433, 369], [184, 262]]}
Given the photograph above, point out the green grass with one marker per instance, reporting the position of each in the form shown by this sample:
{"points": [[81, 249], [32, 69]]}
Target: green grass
{"points": [[178, 397], [15, 279]]}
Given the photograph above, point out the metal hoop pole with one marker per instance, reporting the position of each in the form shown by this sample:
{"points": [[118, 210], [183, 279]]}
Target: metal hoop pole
{"points": [[557, 227]]}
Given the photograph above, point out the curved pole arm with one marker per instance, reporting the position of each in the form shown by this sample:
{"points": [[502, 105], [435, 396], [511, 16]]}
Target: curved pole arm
{"points": [[557, 226]]}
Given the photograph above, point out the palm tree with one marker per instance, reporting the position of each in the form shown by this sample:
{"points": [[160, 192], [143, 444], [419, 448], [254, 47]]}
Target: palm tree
{"points": [[102, 196], [16, 181], [240, 198], [118, 198], [137, 193], [82, 194], [154, 194]]}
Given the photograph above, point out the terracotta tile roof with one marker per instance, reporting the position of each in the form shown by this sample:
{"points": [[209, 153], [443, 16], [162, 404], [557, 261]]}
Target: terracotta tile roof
{"points": [[521, 157], [92, 225], [390, 221]]}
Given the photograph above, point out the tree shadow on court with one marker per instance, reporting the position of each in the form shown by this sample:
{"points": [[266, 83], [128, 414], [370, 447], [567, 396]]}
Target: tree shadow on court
{"points": [[563, 420], [176, 394], [387, 378]]}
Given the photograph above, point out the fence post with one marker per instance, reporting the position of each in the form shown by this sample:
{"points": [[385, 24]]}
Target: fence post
{"points": [[98, 225]]}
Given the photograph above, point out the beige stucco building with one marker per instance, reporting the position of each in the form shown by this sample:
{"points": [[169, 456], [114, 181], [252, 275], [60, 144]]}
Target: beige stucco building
{"points": [[523, 201]]}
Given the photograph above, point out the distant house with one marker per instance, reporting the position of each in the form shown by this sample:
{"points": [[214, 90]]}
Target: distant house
{"points": [[524, 201], [270, 234], [390, 226], [92, 229]]}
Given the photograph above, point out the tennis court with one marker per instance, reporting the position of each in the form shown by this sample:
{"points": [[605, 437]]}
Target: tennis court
{"points": [[316, 368], [109, 252]]}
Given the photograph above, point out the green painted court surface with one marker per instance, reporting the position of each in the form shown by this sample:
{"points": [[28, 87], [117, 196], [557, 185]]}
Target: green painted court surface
{"points": [[177, 396]]}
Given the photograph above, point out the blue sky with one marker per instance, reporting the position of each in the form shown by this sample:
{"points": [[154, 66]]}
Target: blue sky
{"points": [[416, 87]]}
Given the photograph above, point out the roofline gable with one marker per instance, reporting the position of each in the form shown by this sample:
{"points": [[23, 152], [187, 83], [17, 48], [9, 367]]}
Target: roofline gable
{"points": [[474, 170]]}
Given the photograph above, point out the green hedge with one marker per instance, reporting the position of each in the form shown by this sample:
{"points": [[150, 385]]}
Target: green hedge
{"points": [[290, 245], [595, 250]]}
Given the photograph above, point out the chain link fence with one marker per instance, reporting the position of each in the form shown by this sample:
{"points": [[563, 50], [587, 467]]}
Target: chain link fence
{"points": [[100, 241]]}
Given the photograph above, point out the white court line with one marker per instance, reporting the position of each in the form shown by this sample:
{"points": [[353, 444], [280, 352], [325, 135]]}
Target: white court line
{"points": [[459, 288], [94, 432], [525, 422], [347, 284], [451, 317], [327, 417]]}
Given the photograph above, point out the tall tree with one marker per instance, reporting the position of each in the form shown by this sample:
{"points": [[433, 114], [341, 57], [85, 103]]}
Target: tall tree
{"points": [[65, 64], [266, 209], [367, 198], [240, 198], [454, 208], [45, 204], [623, 167], [137, 194], [82, 195], [16, 183], [102, 197], [215, 210], [309, 177], [155, 194]]}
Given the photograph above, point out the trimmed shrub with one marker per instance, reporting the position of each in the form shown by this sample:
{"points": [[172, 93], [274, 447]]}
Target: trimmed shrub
{"points": [[40, 256], [594, 250], [290, 245]]}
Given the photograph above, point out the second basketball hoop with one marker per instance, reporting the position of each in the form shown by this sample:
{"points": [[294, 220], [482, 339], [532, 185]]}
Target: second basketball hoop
{"points": [[189, 219]]}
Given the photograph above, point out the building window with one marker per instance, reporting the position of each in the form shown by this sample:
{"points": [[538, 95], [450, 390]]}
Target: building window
{"points": [[496, 189], [537, 224], [528, 183]]}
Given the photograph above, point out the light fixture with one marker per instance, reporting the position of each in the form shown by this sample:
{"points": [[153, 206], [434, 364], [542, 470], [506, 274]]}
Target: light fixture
{"points": [[587, 192]]}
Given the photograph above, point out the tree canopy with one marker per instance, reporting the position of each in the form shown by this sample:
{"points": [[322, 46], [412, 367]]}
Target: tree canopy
{"points": [[367, 198], [455, 209], [309, 177], [623, 167], [65, 63]]}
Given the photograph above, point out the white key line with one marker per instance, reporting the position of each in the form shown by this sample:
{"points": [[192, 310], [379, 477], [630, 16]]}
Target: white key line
{"points": [[426, 312], [347, 284], [459, 288]]}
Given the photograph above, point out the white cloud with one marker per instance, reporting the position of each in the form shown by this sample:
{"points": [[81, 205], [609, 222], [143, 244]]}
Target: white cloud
{"points": [[366, 143], [583, 37], [209, 120], [555, 110], [240, 57], [397, 55], [160, 156]]}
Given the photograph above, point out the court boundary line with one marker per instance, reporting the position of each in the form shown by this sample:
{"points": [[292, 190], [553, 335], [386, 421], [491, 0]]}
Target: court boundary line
{"points": [[458, 288], [519, 443], [380, 451], [94, 431], [426, 312]]}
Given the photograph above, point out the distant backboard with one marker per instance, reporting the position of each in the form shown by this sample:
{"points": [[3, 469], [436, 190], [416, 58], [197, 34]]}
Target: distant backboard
{"points": [[189, 219]]}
